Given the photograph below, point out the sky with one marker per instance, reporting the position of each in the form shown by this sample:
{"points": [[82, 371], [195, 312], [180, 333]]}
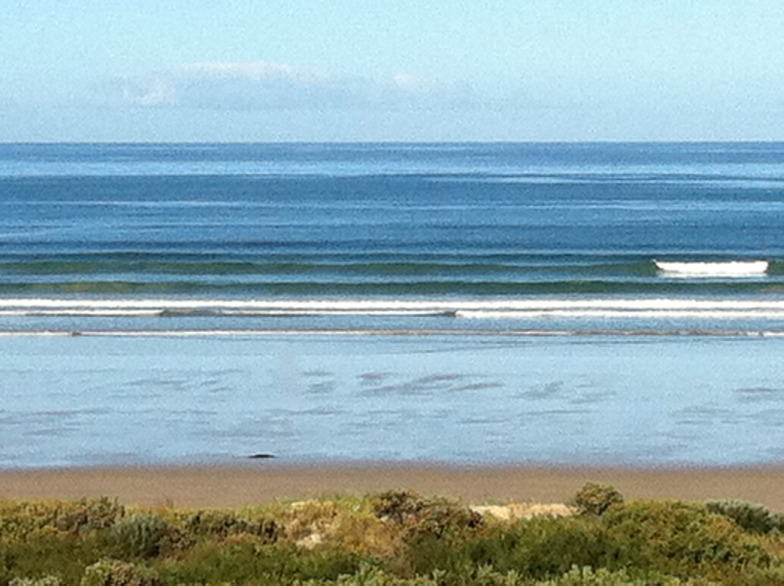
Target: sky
{"points": [[396, 70]]}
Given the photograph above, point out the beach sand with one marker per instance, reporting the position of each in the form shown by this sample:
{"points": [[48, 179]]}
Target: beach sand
{"points": [[267, 481]]}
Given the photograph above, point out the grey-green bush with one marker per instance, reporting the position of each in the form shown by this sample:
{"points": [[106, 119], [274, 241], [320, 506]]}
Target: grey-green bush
{"points": [[119, 573], [44, 581], [751, 517], [137, 536]]}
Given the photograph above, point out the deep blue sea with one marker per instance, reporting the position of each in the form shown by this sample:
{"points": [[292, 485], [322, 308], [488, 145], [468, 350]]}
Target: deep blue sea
{"points": [[460, 303]]}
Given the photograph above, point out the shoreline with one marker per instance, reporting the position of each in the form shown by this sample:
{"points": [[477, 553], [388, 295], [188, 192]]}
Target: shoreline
{"points": [[259, 483]]}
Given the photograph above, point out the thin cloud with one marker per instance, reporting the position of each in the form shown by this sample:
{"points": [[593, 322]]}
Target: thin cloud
{"points": [[277, 86]]}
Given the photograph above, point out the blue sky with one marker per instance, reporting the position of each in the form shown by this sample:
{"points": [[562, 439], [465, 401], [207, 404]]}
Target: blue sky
{"points": [[324, 70]]}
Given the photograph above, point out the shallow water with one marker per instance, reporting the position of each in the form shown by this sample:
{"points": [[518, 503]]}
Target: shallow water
{"points": [[74, 401]]}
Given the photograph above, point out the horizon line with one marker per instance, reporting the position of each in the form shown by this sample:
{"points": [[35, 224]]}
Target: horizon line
{"points": [[384, 142]]}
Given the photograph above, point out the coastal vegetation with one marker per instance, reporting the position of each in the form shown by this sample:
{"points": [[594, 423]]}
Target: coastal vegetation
{"points": [[395, 538]]}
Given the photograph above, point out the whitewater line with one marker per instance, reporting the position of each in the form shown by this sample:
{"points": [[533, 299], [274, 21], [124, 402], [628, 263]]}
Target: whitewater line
{"points": [[374, 333], [151, 306]]}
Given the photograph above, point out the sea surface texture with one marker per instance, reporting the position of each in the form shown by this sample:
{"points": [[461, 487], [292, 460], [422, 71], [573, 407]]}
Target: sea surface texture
{"points": [[461, 303]]}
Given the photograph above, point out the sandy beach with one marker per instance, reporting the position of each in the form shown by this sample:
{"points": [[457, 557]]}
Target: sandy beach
{"points": [[263, 482]]}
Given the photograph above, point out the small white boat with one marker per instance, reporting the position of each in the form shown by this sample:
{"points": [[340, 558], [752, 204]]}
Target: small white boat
{"points": [[735, 268]]}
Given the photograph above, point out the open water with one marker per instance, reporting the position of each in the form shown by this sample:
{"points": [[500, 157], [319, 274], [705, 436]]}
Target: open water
{"points": [[462, 303]]}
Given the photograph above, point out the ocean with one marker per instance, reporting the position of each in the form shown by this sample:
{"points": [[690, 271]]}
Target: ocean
{"points": [[455, 303]]}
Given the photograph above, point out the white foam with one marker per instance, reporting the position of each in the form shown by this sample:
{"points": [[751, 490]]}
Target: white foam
{"points": [[621, 313], [484, 308], [235, 333], [733, 269]]}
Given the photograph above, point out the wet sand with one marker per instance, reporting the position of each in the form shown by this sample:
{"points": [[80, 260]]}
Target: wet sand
{"points": [[266, 481]]}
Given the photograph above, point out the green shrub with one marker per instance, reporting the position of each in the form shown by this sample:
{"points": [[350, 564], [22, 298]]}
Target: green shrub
{"points": [[752, 517], [650, 540], [48, 551], [587, 576], [20, 518], [368, 575], [595, 499], [432, 516], [43, 581], [246, 562], [397, 505], [487, 576], [682, 539], [139, 536], [537, 548], [89, 514], [119, 573], [222, 524], [773, 576]]}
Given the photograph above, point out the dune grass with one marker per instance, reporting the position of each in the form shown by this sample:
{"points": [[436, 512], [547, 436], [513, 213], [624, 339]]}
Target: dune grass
{"points": [[393, 538]]}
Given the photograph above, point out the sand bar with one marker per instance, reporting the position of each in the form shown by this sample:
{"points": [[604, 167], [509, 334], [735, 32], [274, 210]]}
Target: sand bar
{"points": [[266, 481]]}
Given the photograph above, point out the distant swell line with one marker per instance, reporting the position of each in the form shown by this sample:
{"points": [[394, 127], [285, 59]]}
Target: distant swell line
{"points": [[80, 266], [401, 287]]}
